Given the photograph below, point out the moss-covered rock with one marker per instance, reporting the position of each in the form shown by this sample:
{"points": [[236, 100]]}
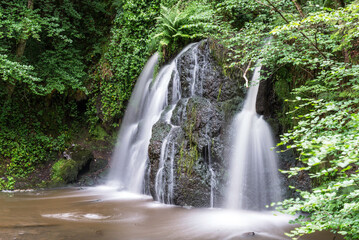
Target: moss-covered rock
{"points": [[68, 169], [64, 171]]}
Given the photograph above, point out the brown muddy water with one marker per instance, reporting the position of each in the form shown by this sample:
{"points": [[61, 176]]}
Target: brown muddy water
{"points": [[102, 213]]}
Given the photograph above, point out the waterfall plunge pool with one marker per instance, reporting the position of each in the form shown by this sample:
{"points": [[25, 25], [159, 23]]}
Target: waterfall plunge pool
{"points": [[102, 213]]}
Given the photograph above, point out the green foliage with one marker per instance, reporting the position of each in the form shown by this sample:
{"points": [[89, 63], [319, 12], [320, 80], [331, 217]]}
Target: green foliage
{"points": [[12, 71], [29, 135], [187, 159], [327, 138], [182, 23], [99, 133], [315, 56], [123, 61], [51, 36], [326, 108], [46, 50], [7, 184]]}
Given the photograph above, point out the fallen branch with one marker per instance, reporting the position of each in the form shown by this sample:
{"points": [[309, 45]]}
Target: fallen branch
{"points": [[245, 73]]}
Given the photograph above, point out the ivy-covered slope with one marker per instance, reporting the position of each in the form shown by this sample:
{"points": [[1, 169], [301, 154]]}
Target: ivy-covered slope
{"points": [[46, 51]]}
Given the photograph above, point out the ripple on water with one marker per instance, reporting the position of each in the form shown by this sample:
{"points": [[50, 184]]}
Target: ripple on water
{"points": [[76, 216]]}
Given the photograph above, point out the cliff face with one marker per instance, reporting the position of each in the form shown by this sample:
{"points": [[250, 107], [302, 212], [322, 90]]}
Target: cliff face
{"points": [[187, 148]]}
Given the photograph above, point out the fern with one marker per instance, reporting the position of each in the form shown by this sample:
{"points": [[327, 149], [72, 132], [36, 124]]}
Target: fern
{"points": [[180, 24]]}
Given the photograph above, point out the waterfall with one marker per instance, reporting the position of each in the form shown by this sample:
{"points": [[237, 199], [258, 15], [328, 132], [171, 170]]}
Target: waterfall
{"points": [[165, 179], [147, 103], [253, 174], [253, 180], [213, 183]]}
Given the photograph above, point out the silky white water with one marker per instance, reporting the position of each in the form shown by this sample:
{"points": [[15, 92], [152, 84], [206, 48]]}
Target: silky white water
{"points": [[147, 102], [253, 173], [253, 181], [129, 158]]}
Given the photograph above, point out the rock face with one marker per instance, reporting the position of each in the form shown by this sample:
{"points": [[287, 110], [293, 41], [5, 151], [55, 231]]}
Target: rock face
{"points": [[186, 152]]}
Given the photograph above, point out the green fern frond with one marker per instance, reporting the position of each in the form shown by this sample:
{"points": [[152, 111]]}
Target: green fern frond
{"points": [[183, 22]]}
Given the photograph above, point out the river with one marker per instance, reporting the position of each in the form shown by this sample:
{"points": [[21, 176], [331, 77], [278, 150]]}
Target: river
{"points": [[103, 213]]}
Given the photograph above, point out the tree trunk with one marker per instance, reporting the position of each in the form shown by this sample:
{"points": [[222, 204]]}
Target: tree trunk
{"points": [[20, 49], [22, 42], [299, 8], [341, 3]]}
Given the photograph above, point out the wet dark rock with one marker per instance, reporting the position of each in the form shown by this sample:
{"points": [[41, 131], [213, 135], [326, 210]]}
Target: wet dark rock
{"points": [[266, 102], [192, 188], [199, 124], [159, 131], [98, 164], [82, 157], [231, 107], [179, 114], [287, 160]]}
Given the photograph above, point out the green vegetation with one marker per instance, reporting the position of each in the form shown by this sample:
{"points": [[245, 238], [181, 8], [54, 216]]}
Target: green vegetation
{"points": [[123, 59], [66, 65], [313, 55], [67, 170], [182, 24], [64, 171], [46, 51]]}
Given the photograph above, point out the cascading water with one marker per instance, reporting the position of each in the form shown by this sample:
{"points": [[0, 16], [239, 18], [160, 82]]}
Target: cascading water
{"points": [[212, 174], [155, 100], [146, 105], [164, 183], [253, 176], [129, 158]]}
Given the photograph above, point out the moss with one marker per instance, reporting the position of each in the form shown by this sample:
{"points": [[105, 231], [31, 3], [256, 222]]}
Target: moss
{"points": [[189, 158], [220, 53], [64, 171], [99, 133], [82, 157]]}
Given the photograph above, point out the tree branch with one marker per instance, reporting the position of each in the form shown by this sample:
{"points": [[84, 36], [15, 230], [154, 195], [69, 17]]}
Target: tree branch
{"points": [[20, 49], [299, 8], [245, 73], [303, 34]]}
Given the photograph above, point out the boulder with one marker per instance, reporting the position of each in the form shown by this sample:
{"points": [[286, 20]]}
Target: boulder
{"points": [[67, 170]]}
